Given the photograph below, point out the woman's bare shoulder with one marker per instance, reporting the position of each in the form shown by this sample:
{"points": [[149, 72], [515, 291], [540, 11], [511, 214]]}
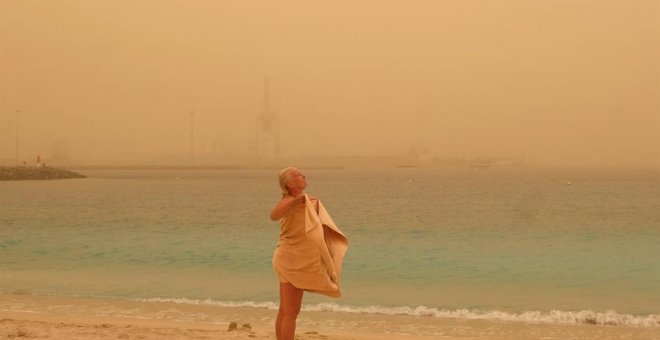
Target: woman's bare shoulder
{"points": [[287, 198]]}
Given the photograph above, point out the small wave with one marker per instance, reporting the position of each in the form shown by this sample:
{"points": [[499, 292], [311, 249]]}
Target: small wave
{"points": [[610, 318], [251, 304], [555, 316]]}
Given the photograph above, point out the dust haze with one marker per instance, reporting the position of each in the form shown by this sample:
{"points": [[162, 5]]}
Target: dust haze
{"points": [[564, 82]]}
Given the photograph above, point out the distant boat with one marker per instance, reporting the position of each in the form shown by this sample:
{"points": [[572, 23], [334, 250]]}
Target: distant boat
{"points": [[416, 157], [480, 165]]}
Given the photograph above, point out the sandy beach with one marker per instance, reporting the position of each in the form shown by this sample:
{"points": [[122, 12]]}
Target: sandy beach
{"points": [[59, 318], [42, 317]]}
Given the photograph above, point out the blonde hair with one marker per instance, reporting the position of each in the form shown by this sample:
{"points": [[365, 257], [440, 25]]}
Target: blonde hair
{"points": [[284, 179]]}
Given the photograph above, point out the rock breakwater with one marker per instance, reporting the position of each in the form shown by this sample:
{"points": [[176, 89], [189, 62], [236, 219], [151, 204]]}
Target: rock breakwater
{"points": [[27, 173]]}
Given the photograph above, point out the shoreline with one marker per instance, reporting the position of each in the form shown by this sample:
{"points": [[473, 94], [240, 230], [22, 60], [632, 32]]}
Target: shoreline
{"points": [[53, 317]]}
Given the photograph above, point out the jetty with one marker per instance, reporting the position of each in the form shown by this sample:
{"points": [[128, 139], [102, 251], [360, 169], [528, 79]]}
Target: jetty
{"points": [[17, 173]]}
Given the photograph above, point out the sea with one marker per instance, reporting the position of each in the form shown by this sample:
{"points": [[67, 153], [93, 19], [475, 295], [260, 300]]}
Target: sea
{"points": [[528, 244]]}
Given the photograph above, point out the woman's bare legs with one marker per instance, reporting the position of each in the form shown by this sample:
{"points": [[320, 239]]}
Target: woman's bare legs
{"points": [[290, 302]]}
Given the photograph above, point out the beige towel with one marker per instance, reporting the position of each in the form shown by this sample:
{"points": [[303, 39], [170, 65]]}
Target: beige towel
{"points": [[311, 250]]}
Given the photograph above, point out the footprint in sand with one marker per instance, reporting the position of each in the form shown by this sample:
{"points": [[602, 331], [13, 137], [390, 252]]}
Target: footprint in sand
{"points": [[315, 335]]}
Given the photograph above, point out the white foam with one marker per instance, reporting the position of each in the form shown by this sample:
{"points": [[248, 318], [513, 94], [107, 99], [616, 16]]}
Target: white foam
{"points": [[555, 316], [251, 304]]}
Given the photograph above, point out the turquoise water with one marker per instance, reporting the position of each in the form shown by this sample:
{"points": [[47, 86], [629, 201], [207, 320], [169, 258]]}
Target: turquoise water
{"points": [[510, 240]]}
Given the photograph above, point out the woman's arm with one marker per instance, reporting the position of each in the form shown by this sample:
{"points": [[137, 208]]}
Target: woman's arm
{"points": [[286, 204]]}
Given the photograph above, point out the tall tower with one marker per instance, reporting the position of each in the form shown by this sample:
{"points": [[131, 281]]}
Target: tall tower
{"points": [[267, 131]]}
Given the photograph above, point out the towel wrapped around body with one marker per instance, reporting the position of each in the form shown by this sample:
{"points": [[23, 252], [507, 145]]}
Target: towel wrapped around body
{"points": [[311, 249]]}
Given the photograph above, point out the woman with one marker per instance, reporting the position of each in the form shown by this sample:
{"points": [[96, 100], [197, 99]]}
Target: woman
{"points": [[310, 251]]}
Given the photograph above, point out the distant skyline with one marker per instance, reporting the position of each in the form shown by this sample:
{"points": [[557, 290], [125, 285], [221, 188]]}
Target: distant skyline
{"points": [[554, 82]]}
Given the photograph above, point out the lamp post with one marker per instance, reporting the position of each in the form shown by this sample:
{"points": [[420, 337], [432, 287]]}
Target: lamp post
{"points": [[18, 115]]}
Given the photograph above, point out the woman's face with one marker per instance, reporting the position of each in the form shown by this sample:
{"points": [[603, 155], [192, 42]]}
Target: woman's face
{"points": [[297, 180]]}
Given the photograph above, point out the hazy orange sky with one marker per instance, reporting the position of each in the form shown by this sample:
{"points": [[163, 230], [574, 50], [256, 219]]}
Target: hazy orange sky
{"points": [[556, 82]]}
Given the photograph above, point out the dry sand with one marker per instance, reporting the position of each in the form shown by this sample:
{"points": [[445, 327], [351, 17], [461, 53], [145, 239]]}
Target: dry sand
{"points": [[21, 325], [40, 317]]}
